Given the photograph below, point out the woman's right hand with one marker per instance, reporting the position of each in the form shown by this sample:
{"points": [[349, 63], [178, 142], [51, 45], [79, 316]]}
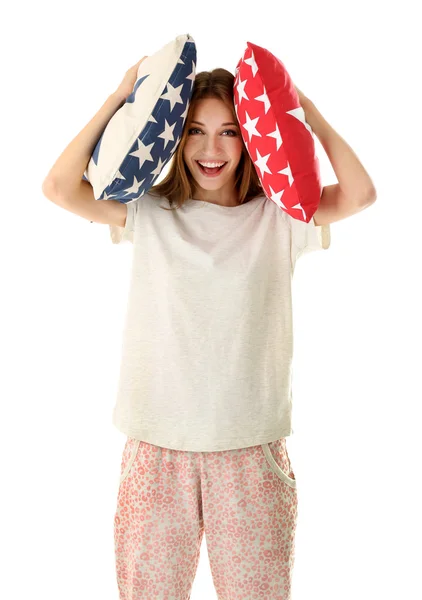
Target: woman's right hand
{"points": [[128, 82]]}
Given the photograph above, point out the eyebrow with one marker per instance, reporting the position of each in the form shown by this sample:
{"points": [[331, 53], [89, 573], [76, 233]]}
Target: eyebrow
{"points": [[222, 125]]}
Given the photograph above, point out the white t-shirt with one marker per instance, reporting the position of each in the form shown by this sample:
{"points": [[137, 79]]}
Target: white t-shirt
{"points": [[208, 343]]}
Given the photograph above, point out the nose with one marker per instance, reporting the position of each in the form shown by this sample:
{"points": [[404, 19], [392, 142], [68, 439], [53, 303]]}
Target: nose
{"points": [[211, 145]]}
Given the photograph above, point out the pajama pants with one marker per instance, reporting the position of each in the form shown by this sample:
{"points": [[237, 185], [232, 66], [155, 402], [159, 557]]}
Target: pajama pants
{"points": [[244, 500]]}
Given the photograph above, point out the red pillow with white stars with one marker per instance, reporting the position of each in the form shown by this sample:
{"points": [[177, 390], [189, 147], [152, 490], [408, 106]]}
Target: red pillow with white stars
{"points": [[278, 138]]}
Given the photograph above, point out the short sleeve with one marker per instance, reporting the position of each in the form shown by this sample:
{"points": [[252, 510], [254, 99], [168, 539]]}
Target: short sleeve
{"points": [[121, 234], [306, 237]]}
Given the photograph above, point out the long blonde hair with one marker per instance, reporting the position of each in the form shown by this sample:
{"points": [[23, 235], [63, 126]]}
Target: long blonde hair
{"points": [[178, 184]]}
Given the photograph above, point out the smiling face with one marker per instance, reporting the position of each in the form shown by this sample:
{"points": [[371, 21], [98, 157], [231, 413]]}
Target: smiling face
{"points": [[213, 139]]}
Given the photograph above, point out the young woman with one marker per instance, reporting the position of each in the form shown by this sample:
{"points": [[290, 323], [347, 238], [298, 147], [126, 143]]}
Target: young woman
{"points": [[205, 386]]}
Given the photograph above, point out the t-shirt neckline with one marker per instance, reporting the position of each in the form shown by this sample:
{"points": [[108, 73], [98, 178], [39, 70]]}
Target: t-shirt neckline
{"points": [[194, 203]]}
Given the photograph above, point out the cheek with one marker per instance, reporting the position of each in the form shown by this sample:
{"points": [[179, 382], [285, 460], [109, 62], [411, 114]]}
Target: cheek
{"points": [[186, 152], [189, 149], [238, 147], [238, 151]]}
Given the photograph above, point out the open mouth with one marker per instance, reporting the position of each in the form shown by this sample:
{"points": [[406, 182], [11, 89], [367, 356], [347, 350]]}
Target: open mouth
{"points": [[211, 171]]}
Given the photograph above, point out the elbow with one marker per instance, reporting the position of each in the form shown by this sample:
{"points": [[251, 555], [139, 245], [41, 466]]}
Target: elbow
{"points": [[48, 188], [369, 197], [51, 191]]}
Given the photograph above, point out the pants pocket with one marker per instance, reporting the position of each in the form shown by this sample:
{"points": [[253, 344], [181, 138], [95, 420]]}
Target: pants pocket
{"points": [[128, 458], [279, 462]]}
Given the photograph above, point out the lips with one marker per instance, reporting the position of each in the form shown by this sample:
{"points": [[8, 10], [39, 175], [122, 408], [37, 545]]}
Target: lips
{"points": [[214, 174]]}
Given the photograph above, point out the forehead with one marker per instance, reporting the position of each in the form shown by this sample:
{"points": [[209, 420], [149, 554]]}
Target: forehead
{"points": [[212, 110]]}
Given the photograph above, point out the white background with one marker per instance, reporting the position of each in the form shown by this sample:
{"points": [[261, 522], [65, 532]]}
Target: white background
{"points": [[357, 392]]}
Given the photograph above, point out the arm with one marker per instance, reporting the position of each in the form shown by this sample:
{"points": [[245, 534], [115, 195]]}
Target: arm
{"points": [[64, 184], [355, 189], [65, 176]]}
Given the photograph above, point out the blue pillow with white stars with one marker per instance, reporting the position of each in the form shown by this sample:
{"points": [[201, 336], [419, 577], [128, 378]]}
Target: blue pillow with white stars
{"points": [[143, 134]]}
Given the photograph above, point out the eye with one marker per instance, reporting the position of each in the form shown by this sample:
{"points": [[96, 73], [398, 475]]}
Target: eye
{"points": [[230, 131]]}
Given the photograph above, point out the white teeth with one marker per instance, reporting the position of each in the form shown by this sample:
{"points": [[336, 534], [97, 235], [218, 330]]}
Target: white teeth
{"points": [[210, 164]]}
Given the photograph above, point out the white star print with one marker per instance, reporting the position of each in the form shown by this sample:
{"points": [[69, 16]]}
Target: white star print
{"points": [[185, 113], [159, 167], [265, 100], [300, 207], [167, 134], [251, 61], [261, 163], [176, 143], [276, 197], [276, 135], [173, 95], [241, 90], [192, 75], [135, 186], [287, 171], [250, 126], [143, 153], [299, 113]]}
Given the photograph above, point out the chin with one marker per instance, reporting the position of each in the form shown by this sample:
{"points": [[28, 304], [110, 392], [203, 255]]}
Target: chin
{"points": [[212, 185]]}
